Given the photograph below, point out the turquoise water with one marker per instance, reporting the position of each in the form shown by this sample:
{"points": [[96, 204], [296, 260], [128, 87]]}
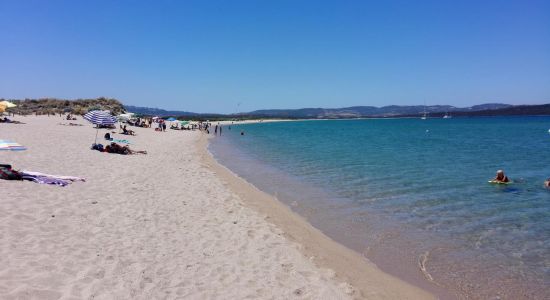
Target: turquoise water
{"points": [[414, 192]]}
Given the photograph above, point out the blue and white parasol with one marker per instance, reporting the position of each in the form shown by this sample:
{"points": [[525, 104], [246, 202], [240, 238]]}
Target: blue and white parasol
{"points": [[100, 117], [6, 145]]}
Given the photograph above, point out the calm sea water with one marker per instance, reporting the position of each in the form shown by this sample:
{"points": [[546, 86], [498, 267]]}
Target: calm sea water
{"points": [[412, 195]]}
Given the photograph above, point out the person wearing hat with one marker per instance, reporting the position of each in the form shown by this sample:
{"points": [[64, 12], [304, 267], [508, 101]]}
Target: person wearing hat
{"points": [[501, 177]]}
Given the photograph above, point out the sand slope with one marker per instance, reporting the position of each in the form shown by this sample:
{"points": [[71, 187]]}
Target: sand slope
{"points": [[164, 226]]}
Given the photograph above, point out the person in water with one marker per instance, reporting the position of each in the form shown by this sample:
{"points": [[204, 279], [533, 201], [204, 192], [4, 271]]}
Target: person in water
{"points": [[547, 183], [501, 177]]}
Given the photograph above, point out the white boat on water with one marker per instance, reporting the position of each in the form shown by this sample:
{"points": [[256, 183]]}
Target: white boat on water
{"points": [[425, 114], [447, 116]]}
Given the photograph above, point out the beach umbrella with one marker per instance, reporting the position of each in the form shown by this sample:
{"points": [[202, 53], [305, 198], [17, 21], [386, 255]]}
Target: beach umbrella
{"points": [[126, 117], [183, 123], [5, 105], [6, 145], [171, 119], [100, 117]]}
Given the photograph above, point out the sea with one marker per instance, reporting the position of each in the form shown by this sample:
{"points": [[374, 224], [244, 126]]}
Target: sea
{"points": [[413, 196]]}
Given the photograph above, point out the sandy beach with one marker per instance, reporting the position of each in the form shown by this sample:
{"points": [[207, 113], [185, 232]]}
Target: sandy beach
{"points": [[166, 225]]}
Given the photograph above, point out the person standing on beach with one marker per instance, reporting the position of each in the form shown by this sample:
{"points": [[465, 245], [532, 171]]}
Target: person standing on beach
{"points": [[220, 130], [216, 130]]}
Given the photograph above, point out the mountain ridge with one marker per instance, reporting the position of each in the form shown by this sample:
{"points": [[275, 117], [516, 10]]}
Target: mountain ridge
{"points": [[336, 113]]}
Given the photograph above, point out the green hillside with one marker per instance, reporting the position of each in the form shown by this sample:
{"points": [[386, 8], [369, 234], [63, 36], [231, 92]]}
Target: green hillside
{"points": [[56, 106]]}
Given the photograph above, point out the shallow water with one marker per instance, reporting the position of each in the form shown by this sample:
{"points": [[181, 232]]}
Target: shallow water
{"points": [[412, 195]]}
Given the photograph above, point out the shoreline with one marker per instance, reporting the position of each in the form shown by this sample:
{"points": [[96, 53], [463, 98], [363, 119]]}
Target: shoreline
{"points": [[349, 266], [433, 257], [168, 224]]}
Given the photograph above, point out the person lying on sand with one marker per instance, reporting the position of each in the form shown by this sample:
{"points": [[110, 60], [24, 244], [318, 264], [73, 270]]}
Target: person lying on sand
{"points": [[70, 124], [6, 120], [124, 150], [501, 177]]}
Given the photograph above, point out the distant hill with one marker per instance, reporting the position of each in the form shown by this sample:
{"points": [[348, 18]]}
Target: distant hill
{"points": [[513, 110], [157, 111], [50, 106], [370, 111], [82, 106], [488, 109]]}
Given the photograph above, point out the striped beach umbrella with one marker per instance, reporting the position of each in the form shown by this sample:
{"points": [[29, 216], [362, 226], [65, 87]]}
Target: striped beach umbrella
{"points": [[6, 145], [100, 117]]}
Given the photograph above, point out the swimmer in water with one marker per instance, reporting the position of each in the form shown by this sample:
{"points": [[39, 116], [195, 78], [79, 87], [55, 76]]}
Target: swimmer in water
{"points": [[501, 177]]}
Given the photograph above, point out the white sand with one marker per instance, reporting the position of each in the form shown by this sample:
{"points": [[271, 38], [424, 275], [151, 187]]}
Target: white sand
{"points": [[159, 226]]}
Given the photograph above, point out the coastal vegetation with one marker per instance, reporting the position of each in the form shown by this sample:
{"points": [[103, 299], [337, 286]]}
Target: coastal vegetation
{"points": [[52, 106]]}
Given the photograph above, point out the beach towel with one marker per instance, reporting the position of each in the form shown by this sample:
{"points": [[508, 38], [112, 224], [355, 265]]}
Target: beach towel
{"points": [[44, 180], [121, 141], [11, 145], [53, 177]]}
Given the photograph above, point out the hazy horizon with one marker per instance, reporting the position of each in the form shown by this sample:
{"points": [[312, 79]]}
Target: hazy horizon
{"points": [[223, 57], [338, 107]]}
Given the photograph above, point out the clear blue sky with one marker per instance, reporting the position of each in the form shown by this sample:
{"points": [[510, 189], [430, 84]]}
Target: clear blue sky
{"points": [[208, 56]]}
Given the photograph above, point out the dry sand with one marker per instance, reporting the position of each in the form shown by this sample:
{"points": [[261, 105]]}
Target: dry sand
{"points": [[169, 224]]}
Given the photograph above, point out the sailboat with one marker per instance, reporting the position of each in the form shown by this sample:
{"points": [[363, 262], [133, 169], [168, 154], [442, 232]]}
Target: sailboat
{"points": [[447, 116], [425, 114]]}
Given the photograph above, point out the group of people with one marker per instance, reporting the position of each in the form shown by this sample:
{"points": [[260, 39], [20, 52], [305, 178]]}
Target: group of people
{"points": [[161, 126], [141, 122], [206, 126], [502, 178], [176, 127]]}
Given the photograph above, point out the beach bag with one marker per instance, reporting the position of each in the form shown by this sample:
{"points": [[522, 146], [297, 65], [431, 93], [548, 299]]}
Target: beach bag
{"points": [[9, 174], [98, 147]]}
